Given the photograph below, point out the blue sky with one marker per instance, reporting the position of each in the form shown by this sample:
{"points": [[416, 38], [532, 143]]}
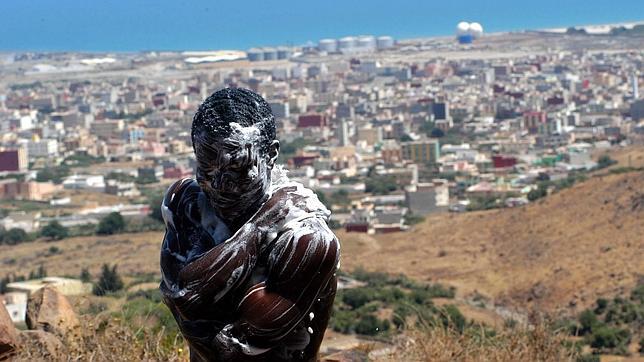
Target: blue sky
{"points": [[127, 25]]}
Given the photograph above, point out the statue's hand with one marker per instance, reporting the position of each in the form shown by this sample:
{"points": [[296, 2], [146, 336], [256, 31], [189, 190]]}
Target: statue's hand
{"points": [[275, 211]]}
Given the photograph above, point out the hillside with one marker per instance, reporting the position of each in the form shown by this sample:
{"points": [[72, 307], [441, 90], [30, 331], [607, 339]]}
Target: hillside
{"points": [[561, 252], [135, 254]]}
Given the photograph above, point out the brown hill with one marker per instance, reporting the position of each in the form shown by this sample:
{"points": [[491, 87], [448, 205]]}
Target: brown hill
{"points": [[560, 252]]}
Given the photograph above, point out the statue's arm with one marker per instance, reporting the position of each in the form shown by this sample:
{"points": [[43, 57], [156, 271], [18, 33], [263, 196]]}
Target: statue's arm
{"points": [[301, 264], [222, 269]]}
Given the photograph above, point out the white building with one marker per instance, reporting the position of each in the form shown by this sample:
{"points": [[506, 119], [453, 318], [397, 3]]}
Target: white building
{"points": [[85, 182], [42, 148], [21, 220]]}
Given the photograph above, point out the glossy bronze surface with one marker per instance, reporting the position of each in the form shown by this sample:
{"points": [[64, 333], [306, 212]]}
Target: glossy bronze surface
{"points": [[256, 283]]}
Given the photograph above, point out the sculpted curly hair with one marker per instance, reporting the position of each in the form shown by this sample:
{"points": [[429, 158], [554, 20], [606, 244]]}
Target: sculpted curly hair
{"points": [[243, 106]]}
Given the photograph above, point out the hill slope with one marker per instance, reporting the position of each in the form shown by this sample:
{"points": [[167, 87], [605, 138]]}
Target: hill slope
{"points": [[560, 252]]}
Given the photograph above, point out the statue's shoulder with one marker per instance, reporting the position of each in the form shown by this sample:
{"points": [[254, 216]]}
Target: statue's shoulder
{"points": [[179, 189], [304, 201], [180, 192]]}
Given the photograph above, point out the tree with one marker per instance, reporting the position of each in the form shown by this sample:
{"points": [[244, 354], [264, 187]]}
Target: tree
{"points": [[340, 197], [111, 224], [539, 192], [155, 206], [54, 231], [15, 236], [54, 174], [380, 185], [3, 284], [437, 133], [605, 161], [85, 276], [146, 179], [109, 281], [406, 138], [42, 272]]}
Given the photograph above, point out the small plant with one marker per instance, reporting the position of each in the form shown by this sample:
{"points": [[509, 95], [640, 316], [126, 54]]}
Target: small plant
{"points": [[85, 276], [53, 250], [108, 282]]}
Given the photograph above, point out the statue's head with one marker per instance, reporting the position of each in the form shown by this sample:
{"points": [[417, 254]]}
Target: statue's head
{"points": [[233, 137]]}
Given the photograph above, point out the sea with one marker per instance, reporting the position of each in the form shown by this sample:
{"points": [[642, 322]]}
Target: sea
{"points": [[142, 25]]}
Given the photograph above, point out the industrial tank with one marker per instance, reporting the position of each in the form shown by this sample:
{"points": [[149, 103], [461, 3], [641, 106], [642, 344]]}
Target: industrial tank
{"points": [[284, 53], [255, 54], [328, 45], [366, 42], [385, 42], [270, 53], [347, 43]]}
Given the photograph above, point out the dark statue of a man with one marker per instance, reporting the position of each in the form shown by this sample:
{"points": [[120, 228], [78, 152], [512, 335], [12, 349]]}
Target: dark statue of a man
{"points": [[248, 261]]}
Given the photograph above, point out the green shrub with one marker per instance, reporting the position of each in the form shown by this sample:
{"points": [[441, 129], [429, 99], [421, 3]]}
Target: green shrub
{"points": [[111, 224], [155, 207], [370, 325], [605, 161], [108, 282], [53, 250], [602, 303], [588, 322], [53, 174], [588, 358], [149, 294], [608, 338], [85, 276], [357, 297], [54, 231], [539, 192], [452, 317], [380, 185], [14, 236]]}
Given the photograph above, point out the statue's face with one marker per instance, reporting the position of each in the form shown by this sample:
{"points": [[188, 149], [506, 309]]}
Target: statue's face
{"points": [[233, 172]]}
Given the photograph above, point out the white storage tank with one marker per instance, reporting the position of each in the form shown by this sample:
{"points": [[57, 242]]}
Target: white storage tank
{"points": [[347, 43], [328, 45], [284, 53], [385, 42], [462, 28], [476, 30], [367, 42], [255, 54], [270, 54]]}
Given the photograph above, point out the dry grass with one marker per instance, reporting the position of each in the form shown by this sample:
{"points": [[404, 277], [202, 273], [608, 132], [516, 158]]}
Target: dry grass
{"points": [[112, 339], [510, 344], [135, 253], [557, 254], [109, 338], [632, 156]]}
